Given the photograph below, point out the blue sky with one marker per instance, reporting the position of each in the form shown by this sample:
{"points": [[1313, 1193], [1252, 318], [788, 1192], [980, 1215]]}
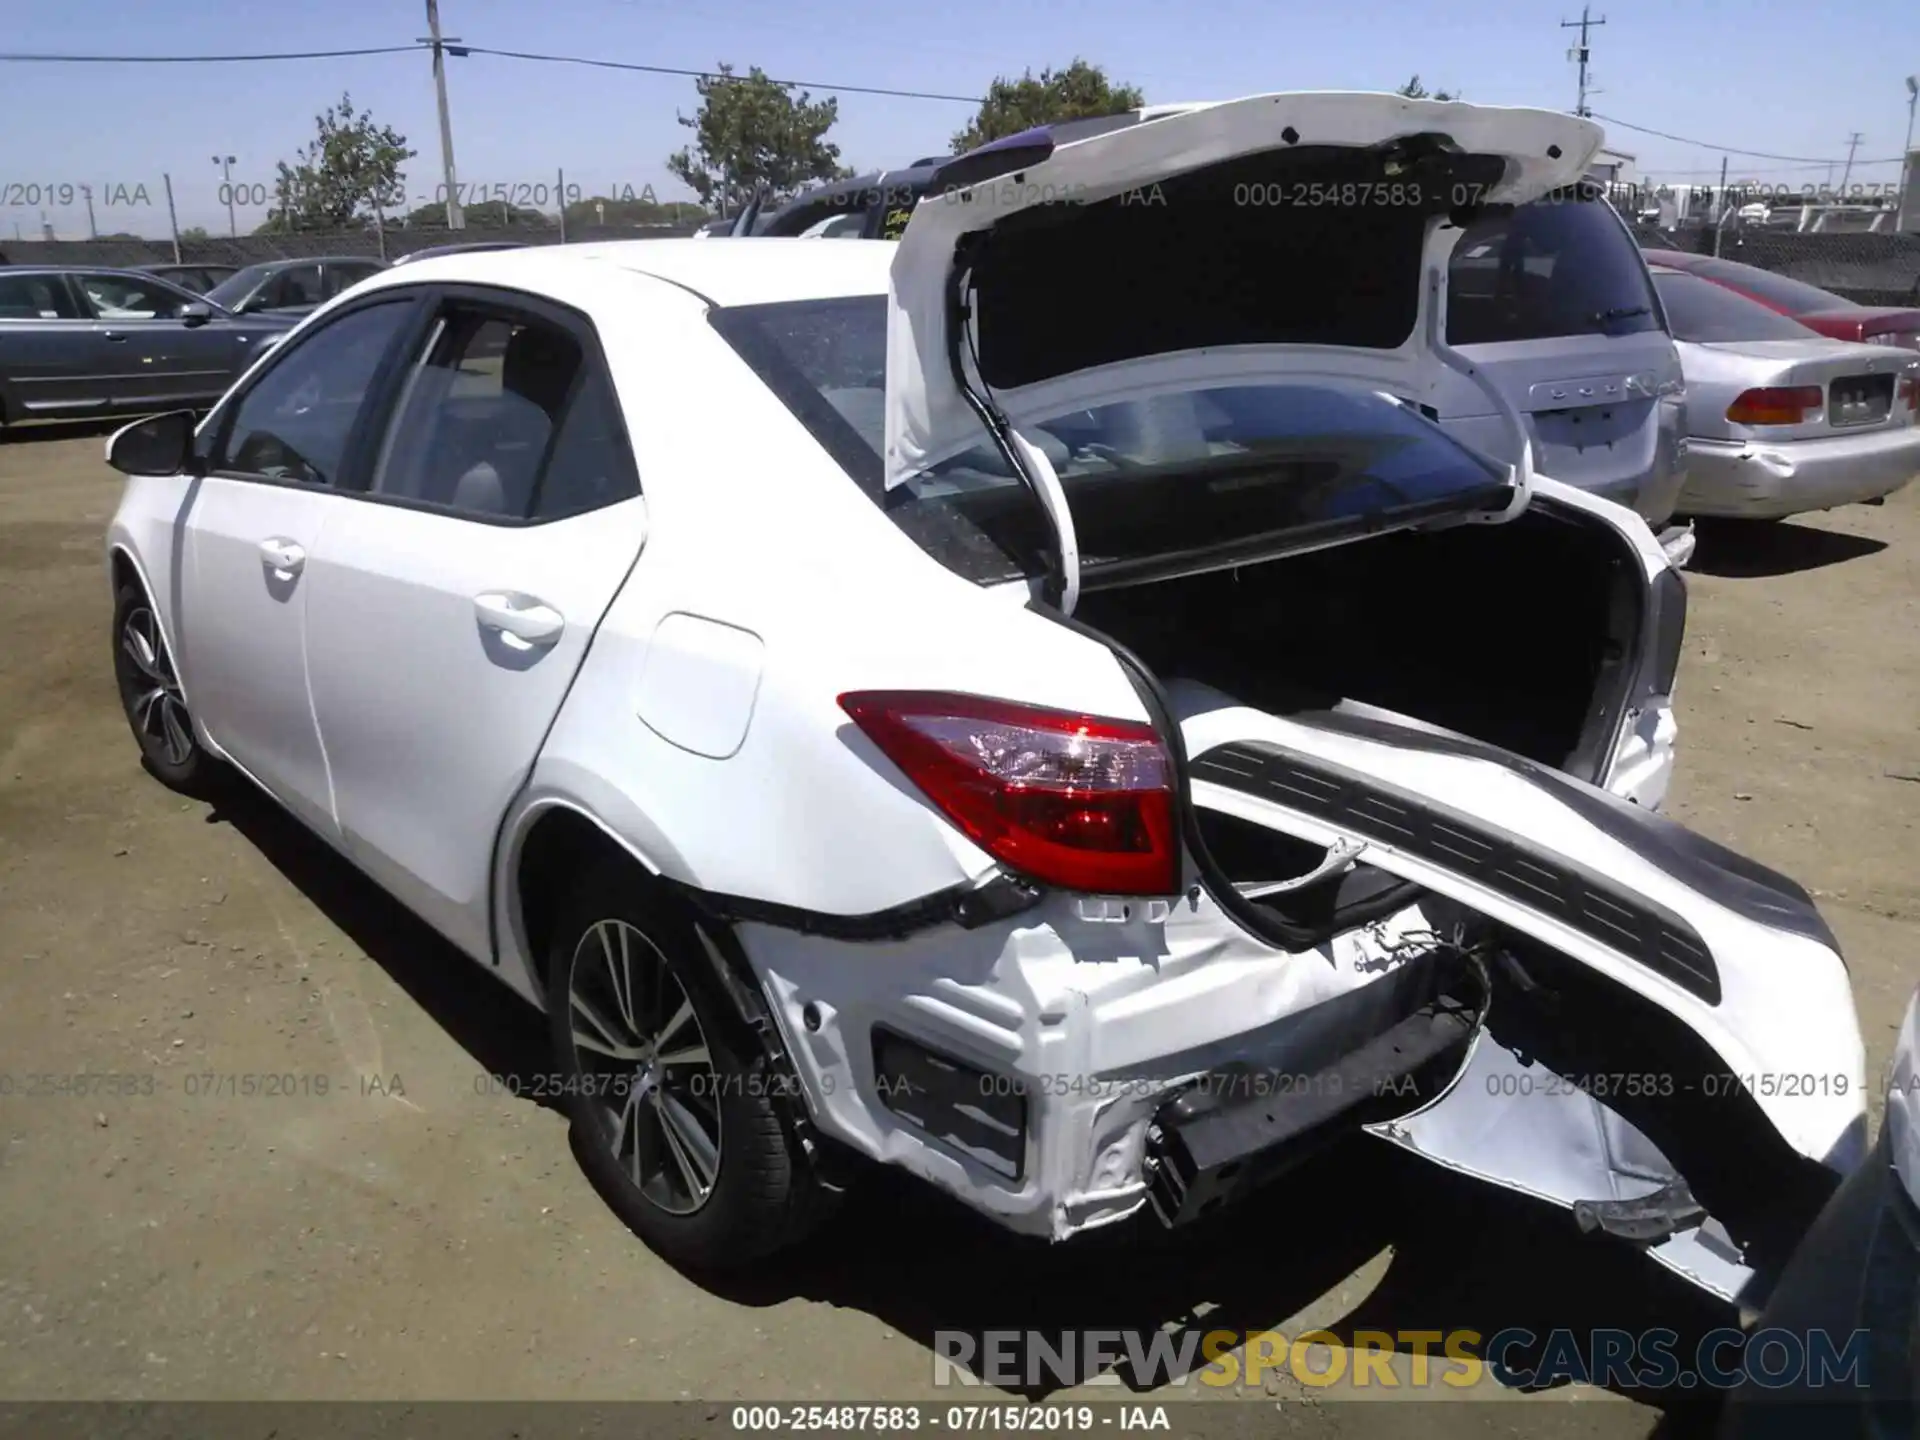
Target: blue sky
{"points": [[1794, 80]]}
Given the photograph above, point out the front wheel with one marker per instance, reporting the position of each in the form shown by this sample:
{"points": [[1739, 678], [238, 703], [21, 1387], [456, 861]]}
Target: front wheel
{"points": [[675, 1115], [150, 694]]}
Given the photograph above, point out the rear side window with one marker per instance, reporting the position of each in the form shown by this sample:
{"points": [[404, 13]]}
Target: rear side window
{"points": [[1702, 312], [1561, 266], [507, 417], [36, 297]]}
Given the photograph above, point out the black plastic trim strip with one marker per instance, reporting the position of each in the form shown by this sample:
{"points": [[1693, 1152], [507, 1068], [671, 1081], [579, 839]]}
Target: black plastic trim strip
{"points": [[1744, 886], [966, 905], [1646, 932]]}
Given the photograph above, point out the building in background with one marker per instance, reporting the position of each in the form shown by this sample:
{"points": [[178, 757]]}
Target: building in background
{"points": [[1612, 167]]}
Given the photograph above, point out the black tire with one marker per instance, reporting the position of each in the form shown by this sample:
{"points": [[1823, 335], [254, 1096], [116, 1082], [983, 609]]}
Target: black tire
{"points": [[762, 1195], [150, 697]]}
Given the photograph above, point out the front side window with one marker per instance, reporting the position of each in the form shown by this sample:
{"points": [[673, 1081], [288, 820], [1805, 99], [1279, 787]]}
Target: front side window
{"points": [[122, 297], [297, 285], [345, 274], [506, 417], [296, 421], [1182, 471], [36, 297], [1558, 267], [234, 291]]}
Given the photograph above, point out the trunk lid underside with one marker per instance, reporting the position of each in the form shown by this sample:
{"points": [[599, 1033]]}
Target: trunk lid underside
{"points": [[1169, 252]]}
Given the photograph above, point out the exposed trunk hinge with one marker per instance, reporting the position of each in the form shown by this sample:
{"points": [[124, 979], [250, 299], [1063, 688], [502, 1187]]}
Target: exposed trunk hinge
{"points": [[1062, 586], [1522, 471]]}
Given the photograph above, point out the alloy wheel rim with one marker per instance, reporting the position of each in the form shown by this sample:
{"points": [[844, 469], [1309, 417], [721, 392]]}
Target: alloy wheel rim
{"points": [[154, 701], [644, 1060]]}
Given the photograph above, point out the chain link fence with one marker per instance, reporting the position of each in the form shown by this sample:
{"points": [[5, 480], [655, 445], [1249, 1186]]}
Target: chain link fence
{"points": [[388, 244], [1867, 269]]}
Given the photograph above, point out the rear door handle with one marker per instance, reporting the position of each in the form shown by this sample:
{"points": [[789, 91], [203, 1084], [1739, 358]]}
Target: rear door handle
{"points": [[113, 335], [525, 618], [283, 557]]}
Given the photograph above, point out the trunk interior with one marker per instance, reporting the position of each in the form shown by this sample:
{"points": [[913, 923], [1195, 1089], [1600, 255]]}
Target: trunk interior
{"points": [[1515, 634]]}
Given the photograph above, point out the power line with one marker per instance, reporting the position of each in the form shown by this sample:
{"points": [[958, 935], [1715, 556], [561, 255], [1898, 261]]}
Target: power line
{"points": [[1809, 160], [1735, 150], [208, 59], [454, 49], [715, 75]]}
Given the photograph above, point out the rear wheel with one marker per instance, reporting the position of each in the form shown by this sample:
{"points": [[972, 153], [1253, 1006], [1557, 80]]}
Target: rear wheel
{"points": [[150, 694], [674, 1110]]}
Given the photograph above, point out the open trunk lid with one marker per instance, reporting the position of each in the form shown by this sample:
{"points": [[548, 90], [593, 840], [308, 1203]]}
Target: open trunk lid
{"points": [[1280, 237]]}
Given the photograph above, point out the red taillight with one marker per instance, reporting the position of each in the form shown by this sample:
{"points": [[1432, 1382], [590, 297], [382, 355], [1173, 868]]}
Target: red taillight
{"points": [[1777, 406], [1910, 392], [1076, 801]]}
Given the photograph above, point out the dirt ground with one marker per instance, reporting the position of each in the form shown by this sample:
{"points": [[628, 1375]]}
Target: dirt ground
{"points": [[411, 1233]]}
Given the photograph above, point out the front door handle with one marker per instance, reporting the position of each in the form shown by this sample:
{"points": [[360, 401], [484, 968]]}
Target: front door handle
{"points": [[113, 335], [525, 618], [283, 557]]}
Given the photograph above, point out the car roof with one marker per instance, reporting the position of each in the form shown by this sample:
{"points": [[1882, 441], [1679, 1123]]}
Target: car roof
{"points": [[132, 271], [750, 270]]}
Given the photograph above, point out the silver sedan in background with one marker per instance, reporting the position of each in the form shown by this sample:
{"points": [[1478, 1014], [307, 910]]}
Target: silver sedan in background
{"points": [[1781, 419]]}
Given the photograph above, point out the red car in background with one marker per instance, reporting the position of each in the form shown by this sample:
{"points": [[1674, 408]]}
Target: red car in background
{"points": [[1813, 307]]}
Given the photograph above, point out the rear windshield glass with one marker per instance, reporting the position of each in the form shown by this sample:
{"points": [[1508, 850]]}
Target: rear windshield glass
{"points": [[1794, 296], [1146, 479], [1558, 267], [1703, 312]]}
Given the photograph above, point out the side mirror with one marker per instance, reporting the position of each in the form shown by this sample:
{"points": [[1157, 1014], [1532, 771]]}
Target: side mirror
{"points": [[157, 445], [197, 313]]}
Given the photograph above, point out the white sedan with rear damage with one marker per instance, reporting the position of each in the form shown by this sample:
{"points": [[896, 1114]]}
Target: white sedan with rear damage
{"points": [[1041, 705]]}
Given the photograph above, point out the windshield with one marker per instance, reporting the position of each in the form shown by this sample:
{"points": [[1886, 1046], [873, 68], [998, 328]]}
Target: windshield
{"points": [[1149, 479], [237, 286], [1706, 313], [1793, 296]]}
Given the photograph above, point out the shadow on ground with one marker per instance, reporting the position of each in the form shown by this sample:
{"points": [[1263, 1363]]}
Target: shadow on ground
{"points": [[1464, 1256], [1750, 549]]}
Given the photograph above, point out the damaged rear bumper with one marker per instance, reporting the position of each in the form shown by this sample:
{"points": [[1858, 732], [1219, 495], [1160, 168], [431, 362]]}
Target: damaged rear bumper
{"points": [[1020, 1065], [1576, 999]]}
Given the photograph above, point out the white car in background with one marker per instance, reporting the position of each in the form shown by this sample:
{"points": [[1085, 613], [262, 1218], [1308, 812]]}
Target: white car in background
{"points": [[1086, 753]]}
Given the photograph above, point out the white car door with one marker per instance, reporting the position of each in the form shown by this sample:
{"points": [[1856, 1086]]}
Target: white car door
{"points": [[451, 605], [279, 452]]}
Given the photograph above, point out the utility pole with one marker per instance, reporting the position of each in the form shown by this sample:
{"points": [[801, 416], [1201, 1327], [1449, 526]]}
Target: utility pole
{"points": [[1581, 52], [226, 188], [1906, 156], [1853, 144], [455, 220], [93, 230]]}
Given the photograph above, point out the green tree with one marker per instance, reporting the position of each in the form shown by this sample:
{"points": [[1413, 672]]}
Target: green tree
{"points": [[755, 135], [1079, 92], [342, 177], [635, 210], [193, 234], [477, 212], [1414, 90]]}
